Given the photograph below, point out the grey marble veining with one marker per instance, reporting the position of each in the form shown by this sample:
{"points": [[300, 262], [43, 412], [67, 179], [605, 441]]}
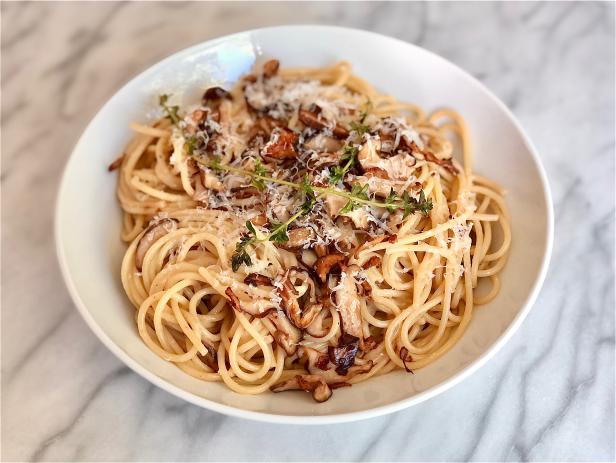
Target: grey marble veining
{"points": [[548, 395]]}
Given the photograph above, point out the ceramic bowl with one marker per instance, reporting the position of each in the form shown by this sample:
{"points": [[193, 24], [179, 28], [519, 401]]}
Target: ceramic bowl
{"points": [[88, 215]]}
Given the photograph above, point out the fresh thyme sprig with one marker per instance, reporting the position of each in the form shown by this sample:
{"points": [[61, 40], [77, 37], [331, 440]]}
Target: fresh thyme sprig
{"points": [[278, 234], [395, 202], [171, 112], [337, 173], [278, 231]]}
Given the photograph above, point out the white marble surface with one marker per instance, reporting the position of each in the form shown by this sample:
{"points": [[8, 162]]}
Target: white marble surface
{"points": [[548, 395]]}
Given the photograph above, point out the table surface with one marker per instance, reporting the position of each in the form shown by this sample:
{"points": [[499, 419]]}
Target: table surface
{"points": [[548, 395]]}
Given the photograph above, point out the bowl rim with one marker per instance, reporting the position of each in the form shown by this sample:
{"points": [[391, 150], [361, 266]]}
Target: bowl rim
{"points": [[464, 373]]}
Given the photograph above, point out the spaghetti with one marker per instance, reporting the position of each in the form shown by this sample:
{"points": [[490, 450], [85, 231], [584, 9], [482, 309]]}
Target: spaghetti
{"points": [[304, 231]]}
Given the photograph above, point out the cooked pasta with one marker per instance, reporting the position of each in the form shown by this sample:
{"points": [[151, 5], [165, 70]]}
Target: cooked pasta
{"points": [[304, 231]]}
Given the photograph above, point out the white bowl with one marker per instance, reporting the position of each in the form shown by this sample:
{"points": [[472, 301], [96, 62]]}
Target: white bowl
{"points": [[88, 217]]}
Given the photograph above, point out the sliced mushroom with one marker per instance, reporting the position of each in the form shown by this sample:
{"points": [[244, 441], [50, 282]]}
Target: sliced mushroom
{"points": [[244, 192], [447, 164], [256, 279], [343, 355], [329, 374], [286, 335], [405, 356], [270, 68], [316, 328], [257, 308], [152, 234], [281, 145], [372, 262], [399, 166], [198, 115], [333, 204], [259, 220], [323, 144], [309, 383], [215, 94], [347, 302], [327, 263], [302, 311], [116, 164], [359, 218], [312, 118], [299, 237], [340, 132]]}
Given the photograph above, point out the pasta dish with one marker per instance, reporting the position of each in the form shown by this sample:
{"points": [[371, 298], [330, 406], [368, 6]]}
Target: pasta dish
{"points": [[303, 231]]}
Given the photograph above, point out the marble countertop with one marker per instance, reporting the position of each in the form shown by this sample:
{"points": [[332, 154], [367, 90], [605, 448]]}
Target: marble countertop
{"points": [[548, 395]]}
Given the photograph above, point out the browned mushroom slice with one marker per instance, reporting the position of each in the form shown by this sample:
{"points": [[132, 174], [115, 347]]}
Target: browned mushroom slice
{"points": [[329, 375], [270, 68], [215, 94], [152, 234], [300, 316], [447, 164], [259, 220], [309, 383], [388, 140], [281, 145], [244, 192], [256, 279], [204, 181], [334, 204], [316, 328], [324, 144], [405, 356], [286, 335], [250, 309], [347, 302], [372, 262], [311, 118], [299, 237], [340, 132], [116, 164], [198, 115], [343, 355], [326, 264]]}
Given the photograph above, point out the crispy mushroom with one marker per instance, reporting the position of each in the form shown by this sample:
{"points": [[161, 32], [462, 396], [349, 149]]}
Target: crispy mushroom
{"points": [[299, 237], [326, 264], [286, 335], [309, 383], [215, 94], [372, 262], [447, 164], [270, 68], [334, 204], [256, 279], [343, 355], [302, 311], [259, 220], [347, 302], [116, 163], [323, 144], [244, 192], [311, 118], [316, 328], [253, 308], [405, 356], [152, 234], [281, 145], [315, 367]]}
